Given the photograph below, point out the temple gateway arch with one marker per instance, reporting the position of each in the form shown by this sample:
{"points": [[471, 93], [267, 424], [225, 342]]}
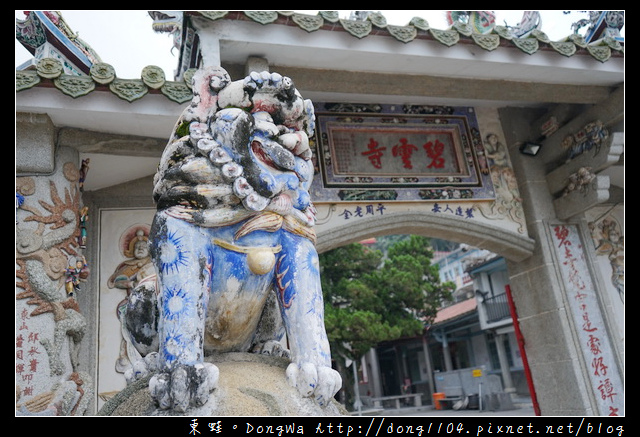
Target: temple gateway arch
{"points": [[419, 131]]}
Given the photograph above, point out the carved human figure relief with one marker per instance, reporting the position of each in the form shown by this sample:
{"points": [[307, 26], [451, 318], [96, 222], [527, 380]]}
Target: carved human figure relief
{"points": [[136, 268]]}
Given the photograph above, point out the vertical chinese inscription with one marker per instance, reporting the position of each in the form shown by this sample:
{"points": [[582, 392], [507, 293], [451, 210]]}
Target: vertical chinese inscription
{"points": [[604, 377], [27, 354]]}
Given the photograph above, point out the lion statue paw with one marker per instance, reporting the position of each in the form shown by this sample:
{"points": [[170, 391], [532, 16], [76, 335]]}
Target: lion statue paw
{"points": [[184, 386], [312, 381]]}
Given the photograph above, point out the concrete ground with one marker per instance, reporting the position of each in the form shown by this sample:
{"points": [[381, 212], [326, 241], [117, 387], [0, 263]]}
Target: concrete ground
{"points": [[523, 407]]}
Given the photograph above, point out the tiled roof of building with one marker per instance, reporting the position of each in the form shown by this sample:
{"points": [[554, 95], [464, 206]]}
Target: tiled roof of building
{"points": [[419, 29], [49, 72], [456, 310]]}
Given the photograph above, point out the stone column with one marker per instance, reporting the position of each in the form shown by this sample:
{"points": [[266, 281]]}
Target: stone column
{"points": [[374, 377], [448, 364], [504, 364], [558, 369], [51, 274], [427, 360]]}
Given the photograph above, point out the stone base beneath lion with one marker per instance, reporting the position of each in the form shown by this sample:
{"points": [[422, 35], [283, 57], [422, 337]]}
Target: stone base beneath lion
{"points": [[249, 385]]}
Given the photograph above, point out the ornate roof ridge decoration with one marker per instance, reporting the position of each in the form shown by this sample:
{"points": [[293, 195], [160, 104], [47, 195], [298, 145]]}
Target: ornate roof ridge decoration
{"points": [[419, 28], [309, 23], [103, 76], [359, 29], [262, 17], [152, 78], [33, 31]]}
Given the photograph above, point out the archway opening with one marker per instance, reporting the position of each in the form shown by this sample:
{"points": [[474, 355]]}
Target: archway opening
{"points": [[459, 344]]}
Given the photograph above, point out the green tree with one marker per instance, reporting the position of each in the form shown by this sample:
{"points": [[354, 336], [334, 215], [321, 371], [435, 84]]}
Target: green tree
{"points": [[354, 324], [371, 298], [410, 285]]}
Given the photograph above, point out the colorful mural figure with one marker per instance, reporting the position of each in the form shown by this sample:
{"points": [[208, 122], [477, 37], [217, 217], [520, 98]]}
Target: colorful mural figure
{"points": [[77, 272], [608, 241], [590, 137], [234, 227], [503, 175], [508, 200], [84, 218], [84, 170]]}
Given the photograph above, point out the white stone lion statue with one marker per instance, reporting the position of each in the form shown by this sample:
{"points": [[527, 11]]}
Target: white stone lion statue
{"points": [[233, 243]]}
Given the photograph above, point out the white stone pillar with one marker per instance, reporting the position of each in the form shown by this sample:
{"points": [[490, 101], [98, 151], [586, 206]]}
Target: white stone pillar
{"points": [[504, 364]]}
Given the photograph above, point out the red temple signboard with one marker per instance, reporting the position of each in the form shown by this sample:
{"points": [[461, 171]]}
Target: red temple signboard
{"points": [[373, 150], [401, 156]]}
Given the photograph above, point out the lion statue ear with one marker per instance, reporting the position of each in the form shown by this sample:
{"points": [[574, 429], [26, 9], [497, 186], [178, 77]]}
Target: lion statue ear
{"points": [[310, 119], [206, 83]]}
